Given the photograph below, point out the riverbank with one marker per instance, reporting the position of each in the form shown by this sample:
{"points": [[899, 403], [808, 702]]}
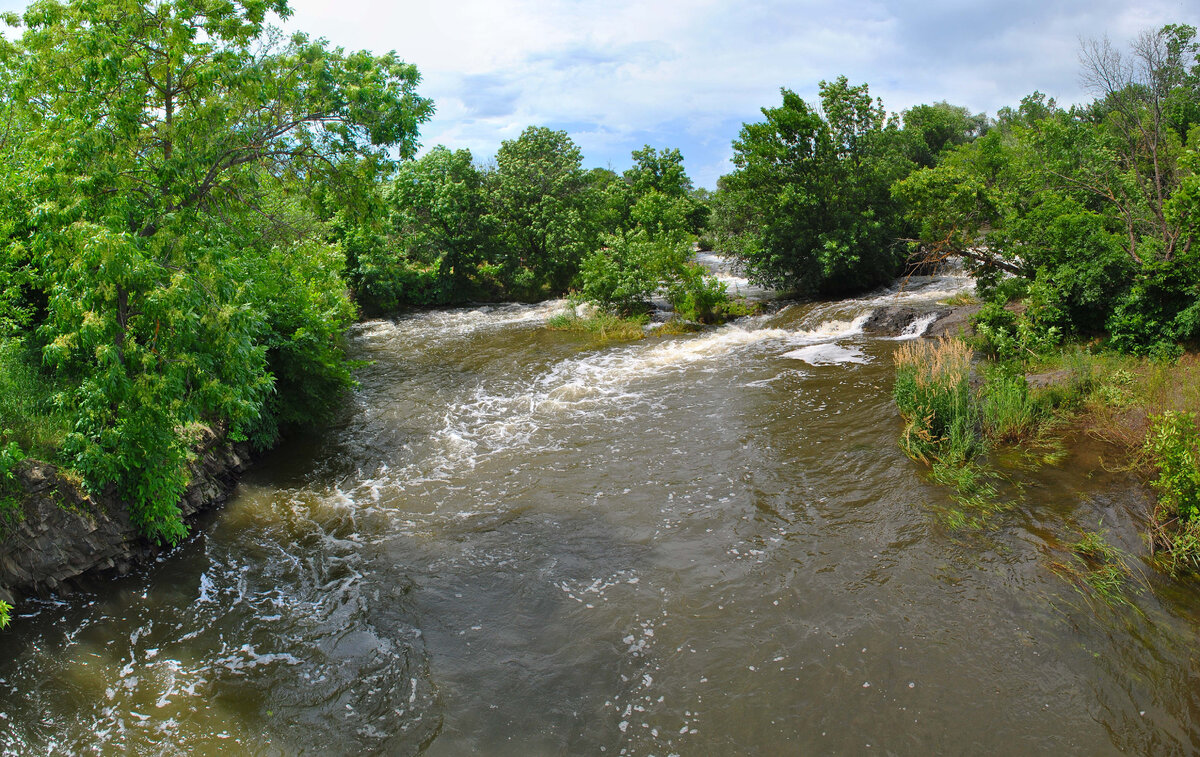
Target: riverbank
{"points": [[62, 534], [979, 422]]}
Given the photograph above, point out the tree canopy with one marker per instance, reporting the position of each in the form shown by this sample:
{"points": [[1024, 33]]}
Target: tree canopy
{"points": [[148, 141]]}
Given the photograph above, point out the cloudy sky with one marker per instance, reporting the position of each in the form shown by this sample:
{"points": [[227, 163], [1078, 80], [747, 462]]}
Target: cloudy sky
{"points": [[618, 74]]}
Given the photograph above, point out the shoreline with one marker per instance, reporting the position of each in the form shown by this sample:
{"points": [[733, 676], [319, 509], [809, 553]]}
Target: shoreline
{"points": [[66, 536]]}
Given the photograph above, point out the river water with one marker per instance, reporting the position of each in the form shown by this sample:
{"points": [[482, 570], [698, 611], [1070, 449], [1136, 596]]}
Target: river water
{"points": [[518, 541]]}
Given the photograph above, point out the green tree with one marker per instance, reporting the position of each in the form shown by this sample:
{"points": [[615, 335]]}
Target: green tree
{"points": [[156, 128], [931, 129], [811, 192], [543, 207], [1092, 209], [438, 209]]}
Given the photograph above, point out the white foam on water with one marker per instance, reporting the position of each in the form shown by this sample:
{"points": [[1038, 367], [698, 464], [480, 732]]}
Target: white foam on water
{"points": [[832, 330], [457, 322], [828, 354], [918, 327]]}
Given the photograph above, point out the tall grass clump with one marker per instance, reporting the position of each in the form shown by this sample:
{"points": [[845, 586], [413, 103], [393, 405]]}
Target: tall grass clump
{"points": [[933, 394]]}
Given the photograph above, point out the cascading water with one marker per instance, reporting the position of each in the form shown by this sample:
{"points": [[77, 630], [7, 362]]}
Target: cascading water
{"points": [[516, 542]]}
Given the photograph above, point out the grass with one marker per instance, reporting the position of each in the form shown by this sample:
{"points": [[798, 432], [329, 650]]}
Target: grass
{"points": [[1149, 411], [606, 327], [1098, 569], [932, 392], [962, 298]]}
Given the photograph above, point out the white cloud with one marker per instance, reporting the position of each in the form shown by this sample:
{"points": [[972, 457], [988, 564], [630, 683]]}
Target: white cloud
{"points": [[619, 73]]}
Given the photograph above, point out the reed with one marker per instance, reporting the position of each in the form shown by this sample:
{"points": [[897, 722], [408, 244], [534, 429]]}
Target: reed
{"points": [[933, 394]]}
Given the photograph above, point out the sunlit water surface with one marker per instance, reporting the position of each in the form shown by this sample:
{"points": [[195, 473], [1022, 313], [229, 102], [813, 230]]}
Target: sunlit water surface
{"points": [[517, 542]]}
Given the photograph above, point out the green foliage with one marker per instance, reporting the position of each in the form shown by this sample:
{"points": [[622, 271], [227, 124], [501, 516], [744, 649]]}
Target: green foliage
{"points": [[622, 275], [28, 411], [933, 395], [700, 297], [11, 457], [1096, 209], [304, 311], [542, 211], [809, 206], [1173, 444], [5, 613], [1008, 411], [932, 129], [1003, 334], [1102, 568], [650, 254], [438, 215], [171, 267], [604, 326]]}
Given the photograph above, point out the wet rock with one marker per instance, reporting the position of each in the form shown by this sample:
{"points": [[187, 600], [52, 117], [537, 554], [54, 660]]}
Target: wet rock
{"points": [[891, 320], [66, 534], [955, 321], [896, 320]]}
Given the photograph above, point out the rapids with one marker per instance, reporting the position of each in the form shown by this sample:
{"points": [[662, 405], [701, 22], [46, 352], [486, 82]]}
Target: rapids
{"points": [[517, 542]]}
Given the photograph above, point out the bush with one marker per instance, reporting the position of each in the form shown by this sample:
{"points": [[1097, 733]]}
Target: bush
{"points": [[1173, 444], [622, 276], [698, 296], [1003, 334]]}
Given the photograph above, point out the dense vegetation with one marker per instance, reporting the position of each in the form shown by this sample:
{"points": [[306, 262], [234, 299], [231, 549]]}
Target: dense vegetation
{"points": [[193, 208], [1081, 227], [1089, 213]]}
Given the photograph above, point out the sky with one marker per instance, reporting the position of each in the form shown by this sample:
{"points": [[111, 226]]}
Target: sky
{"points": [[620, 74]]}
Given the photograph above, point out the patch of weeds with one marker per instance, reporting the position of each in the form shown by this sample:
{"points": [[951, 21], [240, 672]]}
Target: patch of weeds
{"points": [[976, 496], [1098, 569], [678, 327], [962, 298], [5, 610], [11, 457], [1172, 447], [604, 326]]}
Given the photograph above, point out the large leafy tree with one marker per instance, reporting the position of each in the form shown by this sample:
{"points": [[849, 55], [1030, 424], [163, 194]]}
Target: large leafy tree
{"points": [[159, 130], [438, 210], [544, 209], [1094, 208], [810, 193]]}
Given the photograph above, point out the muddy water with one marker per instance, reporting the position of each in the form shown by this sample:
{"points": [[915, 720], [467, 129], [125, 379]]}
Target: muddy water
{"points": [[517, 542]]}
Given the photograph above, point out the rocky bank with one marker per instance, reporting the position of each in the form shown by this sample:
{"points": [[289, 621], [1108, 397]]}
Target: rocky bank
{"points": [[66, 534]]}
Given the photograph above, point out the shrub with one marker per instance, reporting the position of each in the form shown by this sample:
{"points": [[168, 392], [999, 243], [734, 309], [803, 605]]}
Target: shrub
{"points": [[622, 276], [698, 296], [1173, 444]]}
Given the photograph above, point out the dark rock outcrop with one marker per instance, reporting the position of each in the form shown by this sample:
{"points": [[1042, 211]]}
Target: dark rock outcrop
{"points": [[66, 534], [895, 320]]}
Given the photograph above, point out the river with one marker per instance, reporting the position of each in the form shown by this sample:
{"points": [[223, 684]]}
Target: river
{"points": [[517, 541]]}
